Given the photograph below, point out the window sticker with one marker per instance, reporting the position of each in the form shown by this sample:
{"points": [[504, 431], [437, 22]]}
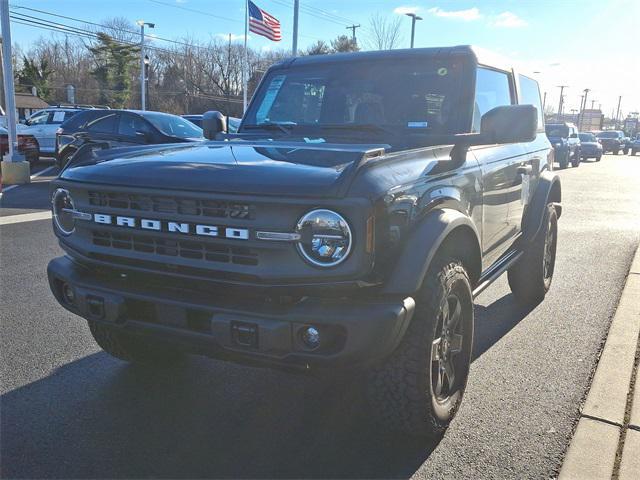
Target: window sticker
{"points": [[269, 98], [442, 71], [58, 116], [314, 140], [417, 124]]}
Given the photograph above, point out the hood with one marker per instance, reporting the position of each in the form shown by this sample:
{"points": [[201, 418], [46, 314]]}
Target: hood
{"points": [[261, 168]]}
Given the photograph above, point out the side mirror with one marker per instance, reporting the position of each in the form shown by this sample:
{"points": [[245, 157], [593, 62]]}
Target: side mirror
{"points": [[573, 135], [509, 124], [213, 123]]}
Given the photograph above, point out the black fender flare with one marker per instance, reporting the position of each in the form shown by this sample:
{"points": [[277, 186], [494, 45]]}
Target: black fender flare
{"points": [[421, 246], [547, 191]]}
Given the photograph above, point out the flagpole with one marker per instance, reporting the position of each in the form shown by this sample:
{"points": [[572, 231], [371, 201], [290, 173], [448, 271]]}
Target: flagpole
{"points": [[245, 72]]}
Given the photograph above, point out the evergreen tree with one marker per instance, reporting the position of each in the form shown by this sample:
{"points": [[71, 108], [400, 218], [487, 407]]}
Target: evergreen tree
{"points": [[114, 62], [36, 74]]}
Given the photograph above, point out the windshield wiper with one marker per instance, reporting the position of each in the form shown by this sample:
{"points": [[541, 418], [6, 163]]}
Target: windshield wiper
{"points": [[282, 126]]}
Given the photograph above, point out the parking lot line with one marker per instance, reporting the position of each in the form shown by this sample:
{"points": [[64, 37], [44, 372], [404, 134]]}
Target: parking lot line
{"points": [[35, 175], [26, 217]]}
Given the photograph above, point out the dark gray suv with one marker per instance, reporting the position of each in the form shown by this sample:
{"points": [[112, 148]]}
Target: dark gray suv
{"points": [[365, 201]]}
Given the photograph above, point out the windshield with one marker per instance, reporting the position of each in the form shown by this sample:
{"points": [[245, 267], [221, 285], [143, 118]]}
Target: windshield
{"points": [[608, 135], [587, 137], [557, 131], [173, 125], [394, 97]]}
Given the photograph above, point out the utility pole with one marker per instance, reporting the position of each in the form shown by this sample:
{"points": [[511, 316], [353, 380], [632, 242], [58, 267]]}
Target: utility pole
{"points": [[414, 18], [580, 112], [14, 168], [229, 78], [593, 102], [544, 103], [353, 33], [584, 106], [618, 111], [296, 7], [143, 99], [560, 103]]}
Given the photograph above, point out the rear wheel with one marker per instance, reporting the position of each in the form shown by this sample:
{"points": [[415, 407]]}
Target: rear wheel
{"points": [[132, 348], [418, 389], [633, 153], [530, 278]]}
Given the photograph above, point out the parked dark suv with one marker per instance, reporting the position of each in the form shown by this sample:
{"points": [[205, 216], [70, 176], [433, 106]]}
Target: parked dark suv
{"points": [[566, 143], [118, 128], [611, 140], [590, 146], [364, 202]]}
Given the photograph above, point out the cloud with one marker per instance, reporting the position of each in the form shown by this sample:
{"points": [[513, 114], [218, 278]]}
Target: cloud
{"points": [[465, 15], [234, 37], [508, 20], [403, 10]]}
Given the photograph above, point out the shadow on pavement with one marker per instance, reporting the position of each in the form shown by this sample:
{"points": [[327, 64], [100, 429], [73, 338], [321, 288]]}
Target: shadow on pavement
{"points": [[98, 417]]}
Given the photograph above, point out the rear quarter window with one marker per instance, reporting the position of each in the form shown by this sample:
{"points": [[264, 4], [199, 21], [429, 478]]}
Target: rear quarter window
{"points": [[493, 89]]}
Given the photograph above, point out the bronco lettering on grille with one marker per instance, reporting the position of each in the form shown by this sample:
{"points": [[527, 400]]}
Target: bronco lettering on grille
{"points": [[171, 226]]}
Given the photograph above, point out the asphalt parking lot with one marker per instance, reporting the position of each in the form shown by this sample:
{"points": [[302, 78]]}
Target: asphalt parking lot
{"points": [[69, 410]]}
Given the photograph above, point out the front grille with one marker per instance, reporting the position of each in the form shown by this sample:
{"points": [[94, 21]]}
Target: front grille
{"points": [[172, 205], [190, 249]]}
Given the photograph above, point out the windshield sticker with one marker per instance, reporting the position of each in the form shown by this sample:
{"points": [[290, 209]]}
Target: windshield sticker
{"points": [[417, 125], [269, 98], [442, 71], [58, 116], [314, 140]]}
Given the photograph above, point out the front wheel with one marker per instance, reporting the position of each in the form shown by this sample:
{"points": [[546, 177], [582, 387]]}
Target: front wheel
{"points": [[530, 278], [418, 389], [616, 152], [633, 153], [576, 159], [598, 158]]}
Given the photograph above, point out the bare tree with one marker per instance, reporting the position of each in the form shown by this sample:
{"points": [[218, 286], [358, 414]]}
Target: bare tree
{"points": [[384, 32]]}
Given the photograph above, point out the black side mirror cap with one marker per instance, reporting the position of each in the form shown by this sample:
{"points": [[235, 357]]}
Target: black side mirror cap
{"points": [[509, 124], [213, 123]]}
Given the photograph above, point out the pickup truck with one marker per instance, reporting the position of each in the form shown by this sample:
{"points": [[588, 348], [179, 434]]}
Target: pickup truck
{"points": [[364, 202]]}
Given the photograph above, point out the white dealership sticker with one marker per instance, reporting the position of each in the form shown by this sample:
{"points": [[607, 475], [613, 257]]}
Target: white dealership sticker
{"points": [[417, 124]]}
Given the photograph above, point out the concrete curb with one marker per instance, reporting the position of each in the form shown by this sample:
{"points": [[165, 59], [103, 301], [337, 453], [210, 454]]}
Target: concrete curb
{"points": [[603, 426]]}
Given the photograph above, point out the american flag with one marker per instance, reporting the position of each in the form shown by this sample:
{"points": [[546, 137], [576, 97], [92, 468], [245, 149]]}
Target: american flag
{"points": [[262, 23]]}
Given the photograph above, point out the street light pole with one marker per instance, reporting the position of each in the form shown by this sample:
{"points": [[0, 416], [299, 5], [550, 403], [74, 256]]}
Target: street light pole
{"points": [[296, 8], [414, 18], [143, 99]]}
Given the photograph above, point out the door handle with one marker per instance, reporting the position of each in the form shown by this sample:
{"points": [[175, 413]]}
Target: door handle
{"points": [[525, 169]]}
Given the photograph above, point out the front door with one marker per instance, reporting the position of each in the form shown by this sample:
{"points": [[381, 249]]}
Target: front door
{"points": [[503, 168]]}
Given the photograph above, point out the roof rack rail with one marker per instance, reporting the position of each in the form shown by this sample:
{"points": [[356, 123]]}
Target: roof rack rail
{"points": [[79, 105]]}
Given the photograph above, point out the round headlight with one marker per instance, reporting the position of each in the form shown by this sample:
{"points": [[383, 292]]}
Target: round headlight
{"points": [[325, 238], [62, 206]]}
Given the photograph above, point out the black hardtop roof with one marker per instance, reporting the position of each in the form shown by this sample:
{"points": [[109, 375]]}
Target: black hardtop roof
{"points": [[478, 55]]}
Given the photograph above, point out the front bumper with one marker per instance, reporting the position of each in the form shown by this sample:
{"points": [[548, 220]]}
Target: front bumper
{"points": [[353, 331]]}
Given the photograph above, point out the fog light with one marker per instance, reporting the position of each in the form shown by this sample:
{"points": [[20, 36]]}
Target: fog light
{"points": [[68, 294], [311, 337]]}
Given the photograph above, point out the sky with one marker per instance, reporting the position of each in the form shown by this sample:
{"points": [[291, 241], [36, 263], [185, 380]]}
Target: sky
{"points": [[581, 44]]}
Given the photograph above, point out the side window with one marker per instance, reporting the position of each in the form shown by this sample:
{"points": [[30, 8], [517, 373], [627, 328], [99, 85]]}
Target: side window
{"points": [[104, 124], [130, 124], [530, 95], [492, 90], [39, 118]]}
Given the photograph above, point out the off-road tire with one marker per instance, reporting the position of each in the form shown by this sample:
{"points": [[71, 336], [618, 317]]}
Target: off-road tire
{"points": [[530, 279], [598, 158], [132, 348], [400, 389], [633, 153], [616, 152], [576, 159]]}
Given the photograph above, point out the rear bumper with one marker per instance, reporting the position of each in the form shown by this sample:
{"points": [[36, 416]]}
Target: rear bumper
{"points": [[353, 331]]}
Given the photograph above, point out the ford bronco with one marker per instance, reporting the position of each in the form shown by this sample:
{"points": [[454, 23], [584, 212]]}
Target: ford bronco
{"points": [[363, 203]]}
